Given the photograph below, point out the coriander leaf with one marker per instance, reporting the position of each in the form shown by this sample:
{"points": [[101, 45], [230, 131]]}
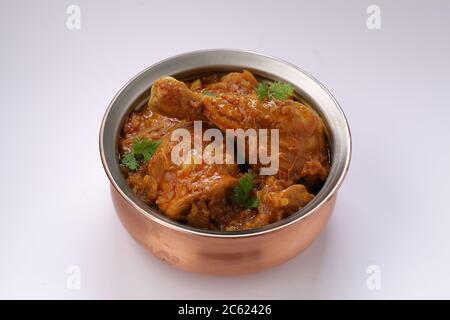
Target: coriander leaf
{"points": [[243, 189], [209, 93], [129, 161], [277, 89], [262, 91], [251, 202], [145, 148], [141, 151], [281, 90]]}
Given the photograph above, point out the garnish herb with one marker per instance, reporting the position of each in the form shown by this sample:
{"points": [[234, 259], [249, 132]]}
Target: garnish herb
{"points": [[129, 161], [243, 189], [279, 90], [142, 150], [262, 91], [209, 93]]}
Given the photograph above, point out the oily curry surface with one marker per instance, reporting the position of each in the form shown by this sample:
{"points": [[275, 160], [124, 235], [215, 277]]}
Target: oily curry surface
{"points": [[224, 196]]}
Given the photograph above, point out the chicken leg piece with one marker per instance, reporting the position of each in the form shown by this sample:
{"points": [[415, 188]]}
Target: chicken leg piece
{"points": [[232, 104], [186, 191]]}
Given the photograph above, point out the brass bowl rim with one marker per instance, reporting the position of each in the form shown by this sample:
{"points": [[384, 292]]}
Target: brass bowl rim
{"points": [[303, 213]]}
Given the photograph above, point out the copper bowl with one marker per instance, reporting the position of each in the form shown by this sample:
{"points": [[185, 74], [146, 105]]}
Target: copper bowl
{"points": [[216, 252]]}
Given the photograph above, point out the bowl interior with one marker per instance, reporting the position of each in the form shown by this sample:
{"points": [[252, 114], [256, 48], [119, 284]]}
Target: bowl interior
{"points": [[135, 94]]}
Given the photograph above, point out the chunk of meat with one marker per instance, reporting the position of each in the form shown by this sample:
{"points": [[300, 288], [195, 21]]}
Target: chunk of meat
{"points": [[185, 191], [233, 82], [173, 98], [277, 200], [302, 143], [145, 124]]}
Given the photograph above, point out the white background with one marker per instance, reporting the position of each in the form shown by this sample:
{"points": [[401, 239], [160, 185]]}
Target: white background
{"points": [[393, 84]]}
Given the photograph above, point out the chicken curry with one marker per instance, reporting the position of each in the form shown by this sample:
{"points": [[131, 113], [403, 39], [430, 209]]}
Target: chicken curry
{"points": [[224, 196]]}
